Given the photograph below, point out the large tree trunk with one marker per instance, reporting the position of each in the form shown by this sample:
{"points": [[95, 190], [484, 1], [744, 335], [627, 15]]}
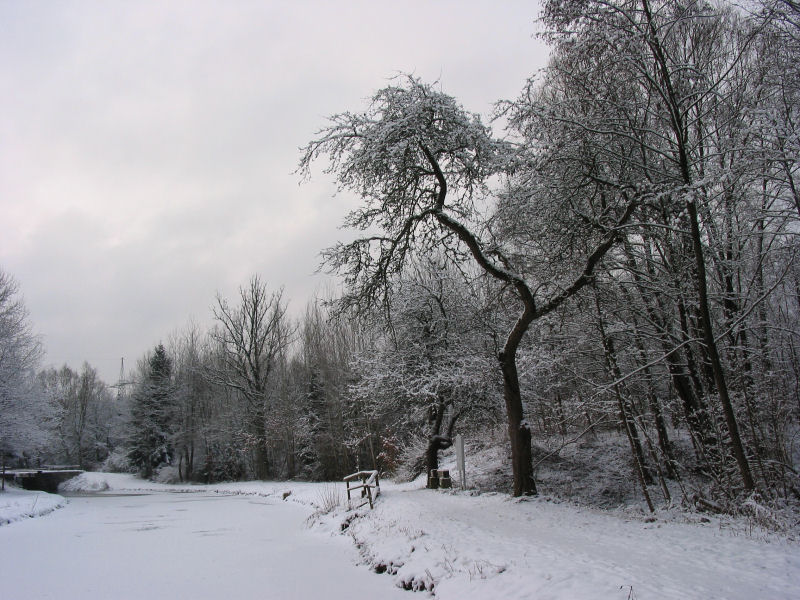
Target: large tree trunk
{"points": [[519, 432], [435, 444], [260, 451], [439, 441]]}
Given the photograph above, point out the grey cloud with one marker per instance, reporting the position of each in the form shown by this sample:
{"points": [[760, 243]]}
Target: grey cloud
{"points": [[147, 149]]}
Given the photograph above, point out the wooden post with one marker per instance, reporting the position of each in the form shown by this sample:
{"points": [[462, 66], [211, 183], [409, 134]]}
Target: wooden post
{"points": [[462, 471], [444, 479]]}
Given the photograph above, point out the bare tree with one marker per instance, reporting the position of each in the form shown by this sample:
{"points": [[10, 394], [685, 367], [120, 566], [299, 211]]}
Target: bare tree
{"points": [[189, 348], [81, 411], [251, 338]]}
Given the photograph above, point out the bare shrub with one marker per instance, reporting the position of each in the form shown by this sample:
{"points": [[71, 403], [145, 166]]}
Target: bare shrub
{"points": [[328, 499]]}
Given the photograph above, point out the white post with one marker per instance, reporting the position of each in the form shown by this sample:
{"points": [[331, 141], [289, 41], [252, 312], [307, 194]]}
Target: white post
{"points": [[460, 460]]}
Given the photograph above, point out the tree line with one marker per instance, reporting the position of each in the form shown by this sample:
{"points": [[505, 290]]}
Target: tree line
{"points": [[637, 221]]}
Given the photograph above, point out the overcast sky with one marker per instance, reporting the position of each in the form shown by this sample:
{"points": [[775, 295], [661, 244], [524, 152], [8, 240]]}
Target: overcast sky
{"points": [[147, 149]]}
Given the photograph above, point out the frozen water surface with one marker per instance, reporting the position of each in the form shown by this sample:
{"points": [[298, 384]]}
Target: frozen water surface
{"points": [[180, 545]]}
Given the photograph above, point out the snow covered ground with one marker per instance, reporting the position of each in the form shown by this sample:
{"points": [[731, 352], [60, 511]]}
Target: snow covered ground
{"points": [[491, 546], [17, 504], [453, 544]]}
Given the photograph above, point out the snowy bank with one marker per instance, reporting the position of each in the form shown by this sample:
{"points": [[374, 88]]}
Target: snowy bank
{"points": [[492, 546], [17, 504], [308, 494]]}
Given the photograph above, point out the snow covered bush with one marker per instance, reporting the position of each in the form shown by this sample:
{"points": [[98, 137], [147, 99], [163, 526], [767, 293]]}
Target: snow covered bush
{"points": [[117, 462], [167, 474], [85, 483]]}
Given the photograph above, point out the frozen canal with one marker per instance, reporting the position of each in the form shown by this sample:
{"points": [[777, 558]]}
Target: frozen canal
{"points": [[180, 545]]}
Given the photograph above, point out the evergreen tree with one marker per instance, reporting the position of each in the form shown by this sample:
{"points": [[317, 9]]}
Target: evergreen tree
{"points": [[150, 439]]}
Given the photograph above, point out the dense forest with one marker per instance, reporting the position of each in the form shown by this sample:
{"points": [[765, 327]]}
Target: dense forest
{"points": [[610, 263]]}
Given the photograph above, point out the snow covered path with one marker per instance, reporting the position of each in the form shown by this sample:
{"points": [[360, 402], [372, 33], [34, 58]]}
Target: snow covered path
{"points": [[492, 546], [180, 545]]}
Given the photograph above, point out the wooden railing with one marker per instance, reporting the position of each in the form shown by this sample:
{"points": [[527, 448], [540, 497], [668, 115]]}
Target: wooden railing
{"points": [[370, 487]]}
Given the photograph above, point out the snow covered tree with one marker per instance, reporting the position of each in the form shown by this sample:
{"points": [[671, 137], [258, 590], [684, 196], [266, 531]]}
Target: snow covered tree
{"points": [[82, 414], [431, 365], [688, 105], [193, 392], [325, 349], [661, 94], [422, 166], [152, 409], [22, 407]]}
